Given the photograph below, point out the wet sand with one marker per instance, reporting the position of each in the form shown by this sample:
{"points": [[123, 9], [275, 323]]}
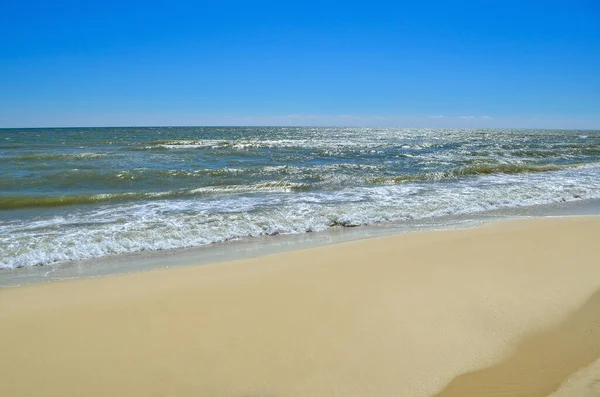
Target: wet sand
{"points": [[507, 309]]}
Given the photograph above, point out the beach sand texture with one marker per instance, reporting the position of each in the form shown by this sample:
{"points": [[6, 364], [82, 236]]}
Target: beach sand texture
{"points": [[508, 309]]}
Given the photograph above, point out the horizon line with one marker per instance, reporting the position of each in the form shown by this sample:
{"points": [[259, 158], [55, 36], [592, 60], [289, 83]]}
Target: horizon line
{"points": [[292, 126]]}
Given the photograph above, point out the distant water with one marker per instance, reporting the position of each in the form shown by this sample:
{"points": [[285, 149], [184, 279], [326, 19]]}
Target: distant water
{"points": [[69, 194]]}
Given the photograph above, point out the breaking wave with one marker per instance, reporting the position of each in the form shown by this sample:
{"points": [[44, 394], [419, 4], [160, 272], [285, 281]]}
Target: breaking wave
{"points": [[474, 170], [16, 202]]}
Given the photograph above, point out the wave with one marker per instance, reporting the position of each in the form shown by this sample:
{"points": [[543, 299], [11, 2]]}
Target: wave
{"points": [[16, 202], [222, 144], [584, 382], [473, 170], [486, 169], [19, 202], [74, 178], [77, 178], [56, 156], [559, 151], [538, 153], [12, 146], [140, 226], [274, 186], [281, 143], [162, 179], [418, 150]]}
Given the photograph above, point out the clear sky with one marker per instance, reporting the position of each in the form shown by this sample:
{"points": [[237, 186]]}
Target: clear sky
{"points": [[454, 63]]}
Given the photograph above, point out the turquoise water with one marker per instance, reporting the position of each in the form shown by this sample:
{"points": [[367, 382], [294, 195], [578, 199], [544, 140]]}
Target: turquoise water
{"points": [[70, 194]]}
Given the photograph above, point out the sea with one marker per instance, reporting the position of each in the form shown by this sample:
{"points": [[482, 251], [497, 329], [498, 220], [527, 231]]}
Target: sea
{"points": [[71, 195]]}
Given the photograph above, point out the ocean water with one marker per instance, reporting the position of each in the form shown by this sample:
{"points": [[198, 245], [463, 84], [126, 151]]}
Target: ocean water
{"points": [[81, 193]]}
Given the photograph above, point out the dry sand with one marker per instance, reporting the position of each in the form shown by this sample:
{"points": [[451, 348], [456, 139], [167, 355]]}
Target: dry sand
{"points": [[508, 309]]}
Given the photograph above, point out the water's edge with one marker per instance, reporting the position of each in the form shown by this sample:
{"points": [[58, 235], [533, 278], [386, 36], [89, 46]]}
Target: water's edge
{"points": [[260, 246]]}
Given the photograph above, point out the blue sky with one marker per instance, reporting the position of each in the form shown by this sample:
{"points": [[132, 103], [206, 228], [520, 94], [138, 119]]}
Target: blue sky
{"points": [[419, 63]]}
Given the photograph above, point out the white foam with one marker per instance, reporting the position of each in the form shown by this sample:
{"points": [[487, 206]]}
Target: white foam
{"points": [[583, 383], [157, 224]]}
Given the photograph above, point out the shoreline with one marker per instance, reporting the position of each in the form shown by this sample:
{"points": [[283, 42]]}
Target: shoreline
{"points": [[410, 314], [251, 247]]}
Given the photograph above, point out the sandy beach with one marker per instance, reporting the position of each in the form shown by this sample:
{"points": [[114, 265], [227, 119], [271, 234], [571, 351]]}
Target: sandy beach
{"points": [[507, 309]]}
